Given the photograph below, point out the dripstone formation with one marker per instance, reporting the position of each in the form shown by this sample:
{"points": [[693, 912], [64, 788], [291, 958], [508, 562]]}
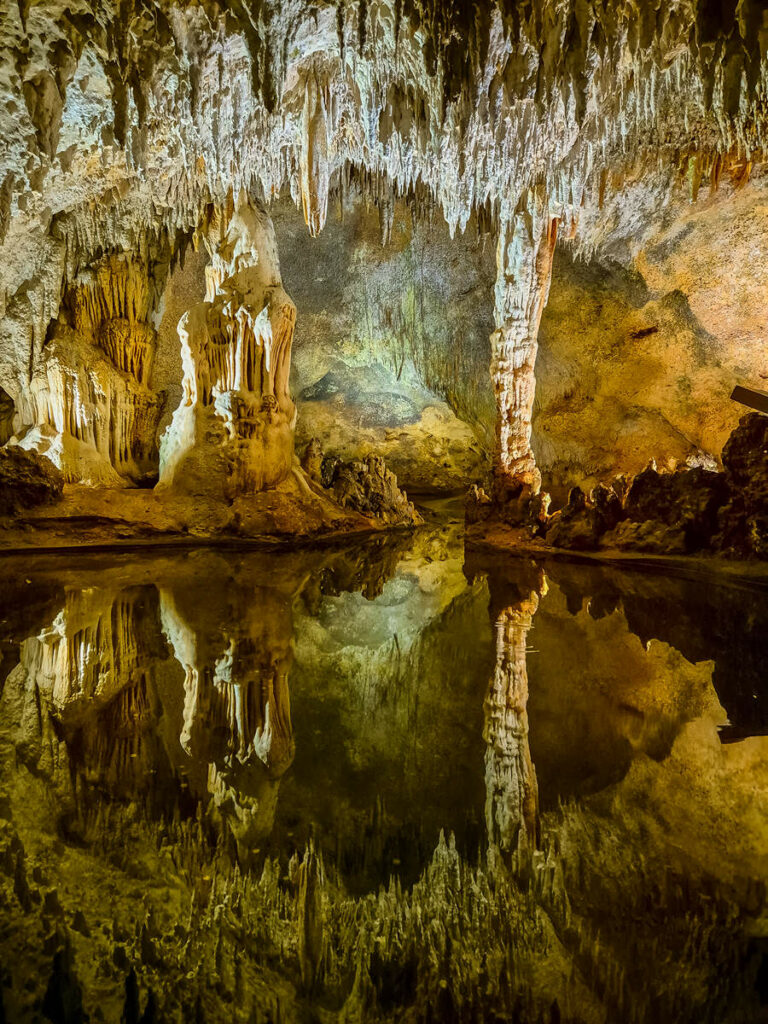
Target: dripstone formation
{"points": [[139, 134]]}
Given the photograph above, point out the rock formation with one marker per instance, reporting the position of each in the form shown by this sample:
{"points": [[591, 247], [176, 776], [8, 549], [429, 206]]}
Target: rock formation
{"points": [[129, 129], [685, 511], [27, 480], [88, 405], [364, 485], [524, 262], [233, 432]]}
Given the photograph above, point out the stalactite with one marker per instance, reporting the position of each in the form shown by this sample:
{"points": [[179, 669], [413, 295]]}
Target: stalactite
{"points": [[315, 174]]}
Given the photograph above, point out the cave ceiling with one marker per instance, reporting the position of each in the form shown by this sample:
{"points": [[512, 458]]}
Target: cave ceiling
{"points": [[123, 119]]}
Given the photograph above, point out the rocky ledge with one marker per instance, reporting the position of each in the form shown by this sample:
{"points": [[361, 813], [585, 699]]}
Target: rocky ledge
{"points": [[688, 511]]}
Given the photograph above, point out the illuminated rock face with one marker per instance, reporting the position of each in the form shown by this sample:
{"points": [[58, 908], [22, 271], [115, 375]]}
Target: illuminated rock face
{"points": [[92, 410], [121, 127], [233, 432]]}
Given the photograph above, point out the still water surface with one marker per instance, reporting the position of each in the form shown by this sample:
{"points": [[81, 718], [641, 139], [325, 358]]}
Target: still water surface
{"points": [[392, 782]]}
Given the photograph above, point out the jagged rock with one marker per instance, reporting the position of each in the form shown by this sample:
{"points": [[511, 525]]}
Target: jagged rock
{"points": [[672, 511], [477, 505], [578, 525], [743, 520], [27, 480], [368, 487]]}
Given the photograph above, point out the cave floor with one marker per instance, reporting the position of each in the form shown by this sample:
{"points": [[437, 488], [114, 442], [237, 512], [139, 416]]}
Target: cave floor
{"points": [[118, 517], [360, 782]]}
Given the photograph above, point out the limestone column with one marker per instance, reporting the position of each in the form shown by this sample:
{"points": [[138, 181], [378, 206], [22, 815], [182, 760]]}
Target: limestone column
{"points": [[512, 802], [524, 268]]}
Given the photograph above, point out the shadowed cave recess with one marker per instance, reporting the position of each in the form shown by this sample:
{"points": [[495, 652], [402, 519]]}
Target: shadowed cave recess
{"points": [[384, 615]]}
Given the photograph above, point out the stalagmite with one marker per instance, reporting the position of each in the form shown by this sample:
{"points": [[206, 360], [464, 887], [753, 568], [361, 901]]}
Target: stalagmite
{"points": [[233, 432], [524, 268]]}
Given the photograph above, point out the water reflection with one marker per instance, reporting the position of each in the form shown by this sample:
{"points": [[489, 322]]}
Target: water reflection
{"points": [[392, 782], [512, 792]]}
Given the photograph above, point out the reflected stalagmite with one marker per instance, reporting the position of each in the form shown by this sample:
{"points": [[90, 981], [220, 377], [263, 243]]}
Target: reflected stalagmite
{"points": [[235, 649]]}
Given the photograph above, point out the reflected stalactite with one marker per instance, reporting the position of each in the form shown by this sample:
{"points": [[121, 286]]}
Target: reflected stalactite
{"points": [[100, 642], [512, 795], [90, 676]]}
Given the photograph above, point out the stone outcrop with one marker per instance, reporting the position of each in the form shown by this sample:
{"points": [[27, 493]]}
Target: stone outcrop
{"points": [[27, 480], [743, 519], [363, 485], [687, 511]]}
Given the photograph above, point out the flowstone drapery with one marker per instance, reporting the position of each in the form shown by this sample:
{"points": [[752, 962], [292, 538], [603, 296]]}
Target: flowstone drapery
{"points": [[233, 432], [89, 406]]}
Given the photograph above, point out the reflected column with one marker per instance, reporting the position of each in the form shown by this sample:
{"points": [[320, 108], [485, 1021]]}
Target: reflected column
{"points": [[512, 802]]}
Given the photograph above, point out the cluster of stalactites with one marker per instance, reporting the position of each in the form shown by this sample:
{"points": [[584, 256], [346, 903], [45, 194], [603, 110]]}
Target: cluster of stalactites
{"points": [[110, 304], [475, 102], [235, 353], [110, 414]]}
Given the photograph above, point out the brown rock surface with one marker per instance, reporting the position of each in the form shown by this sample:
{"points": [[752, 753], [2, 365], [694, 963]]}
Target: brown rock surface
{"points": [[27, 480]]}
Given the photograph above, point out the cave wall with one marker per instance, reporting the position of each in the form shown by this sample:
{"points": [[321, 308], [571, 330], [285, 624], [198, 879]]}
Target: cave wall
{"points": [[391, 352], [643, 340], [643, 336]]}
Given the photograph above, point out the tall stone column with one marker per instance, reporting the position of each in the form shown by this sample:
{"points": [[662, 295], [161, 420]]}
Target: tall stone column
{"points": [[512, 800], [524, 268]]}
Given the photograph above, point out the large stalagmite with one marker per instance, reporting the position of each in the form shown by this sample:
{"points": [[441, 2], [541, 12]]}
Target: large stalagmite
{"points": [[233, 432]]}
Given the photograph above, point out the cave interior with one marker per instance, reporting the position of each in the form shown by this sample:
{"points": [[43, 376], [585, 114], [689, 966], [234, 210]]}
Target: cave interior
{"points": [[384, 511]]}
